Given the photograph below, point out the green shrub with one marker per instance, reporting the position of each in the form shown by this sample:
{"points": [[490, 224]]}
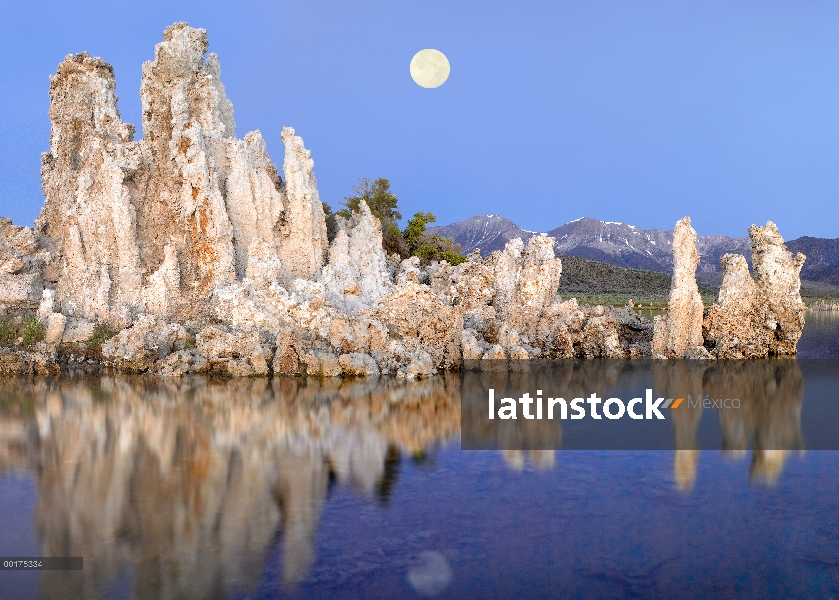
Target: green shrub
{"points": [[426, 251], [33, 331], [416, 228], [8, 331], [382, 204], [438, 248], [413, 241], [453, 258], [102, 332]]}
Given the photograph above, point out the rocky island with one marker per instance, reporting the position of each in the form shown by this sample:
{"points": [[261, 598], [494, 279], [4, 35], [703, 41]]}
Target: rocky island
{"points": [[189, 252]]}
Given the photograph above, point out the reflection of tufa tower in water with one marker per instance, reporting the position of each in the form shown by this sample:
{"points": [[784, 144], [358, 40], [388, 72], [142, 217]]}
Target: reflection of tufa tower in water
{"points": [[189, 483], [770, 419]]}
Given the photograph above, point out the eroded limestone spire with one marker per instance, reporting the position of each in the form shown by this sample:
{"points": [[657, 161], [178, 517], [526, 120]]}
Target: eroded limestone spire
{"points": [[157, 225], [89, 223], [755, 318], [303, 242], [186, 127], [679, 333], [357, 273], [778, 276]]}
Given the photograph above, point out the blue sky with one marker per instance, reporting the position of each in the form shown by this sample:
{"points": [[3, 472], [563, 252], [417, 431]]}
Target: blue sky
{"points": [[639, 112]]}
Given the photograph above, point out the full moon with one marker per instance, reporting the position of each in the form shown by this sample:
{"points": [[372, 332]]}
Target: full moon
{"points": [[430, 68]]}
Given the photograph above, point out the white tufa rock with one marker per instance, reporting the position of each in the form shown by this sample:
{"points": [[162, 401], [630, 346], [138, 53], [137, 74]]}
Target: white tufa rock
{"points": [[45, 308], [163, 290], [157, 225], [263, 265], [303, 243], [357, 273], [55, 328], [192, 226], [679, 333], [755, 318]]}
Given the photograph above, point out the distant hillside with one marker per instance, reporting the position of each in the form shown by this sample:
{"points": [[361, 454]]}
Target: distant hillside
{"points": [[591, 276], [595, 282], [629, 247], [489, 233], [822, 262]]}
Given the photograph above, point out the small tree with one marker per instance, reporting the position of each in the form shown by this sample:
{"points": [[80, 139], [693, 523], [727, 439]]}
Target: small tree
{"points": [[416, 228], [435, 247], [430, 247], [382, 203], [413, 241]]}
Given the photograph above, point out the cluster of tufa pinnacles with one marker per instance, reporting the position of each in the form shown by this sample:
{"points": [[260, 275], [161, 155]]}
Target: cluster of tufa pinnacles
{"points": [[204, 258]]}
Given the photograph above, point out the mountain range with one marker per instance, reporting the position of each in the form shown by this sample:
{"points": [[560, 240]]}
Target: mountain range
{"points": [[628, 246]]}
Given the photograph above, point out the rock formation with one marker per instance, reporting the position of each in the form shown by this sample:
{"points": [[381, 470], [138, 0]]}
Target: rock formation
{"points": [[302, 243], [733, 326], [777, 273], [21, 262], [156, 225], [754, 318], [192, 253], [679, 333], [357, 273], [89, 222]]}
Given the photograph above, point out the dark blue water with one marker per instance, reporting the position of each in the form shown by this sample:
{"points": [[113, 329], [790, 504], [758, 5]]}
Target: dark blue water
{"points": [[256, 489]]}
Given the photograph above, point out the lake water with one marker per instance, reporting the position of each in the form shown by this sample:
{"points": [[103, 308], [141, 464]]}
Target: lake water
{"points": [[305, 489]]}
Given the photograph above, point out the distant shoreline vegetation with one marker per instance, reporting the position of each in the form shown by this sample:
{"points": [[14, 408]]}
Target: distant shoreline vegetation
{"points": [[593, 282], [412, 241]]}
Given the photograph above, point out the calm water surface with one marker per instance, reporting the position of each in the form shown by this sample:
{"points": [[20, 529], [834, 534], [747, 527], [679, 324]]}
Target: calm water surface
{"points": [[263, 489]]}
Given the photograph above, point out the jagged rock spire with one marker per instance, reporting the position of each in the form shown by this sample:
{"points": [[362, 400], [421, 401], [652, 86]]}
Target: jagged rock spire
{"points": [[679, 333], [157, 225], [89, 222], [755, 318]]}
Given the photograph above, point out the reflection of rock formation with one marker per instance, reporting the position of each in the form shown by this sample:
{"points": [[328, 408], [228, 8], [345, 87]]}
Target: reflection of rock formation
{"points": [[770, 419], [539, 459], [190, 482], [671, 380], [767, 418]]}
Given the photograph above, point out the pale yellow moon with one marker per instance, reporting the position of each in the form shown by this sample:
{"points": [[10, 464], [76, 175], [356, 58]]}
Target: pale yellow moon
{"points": [[430, 68]]}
